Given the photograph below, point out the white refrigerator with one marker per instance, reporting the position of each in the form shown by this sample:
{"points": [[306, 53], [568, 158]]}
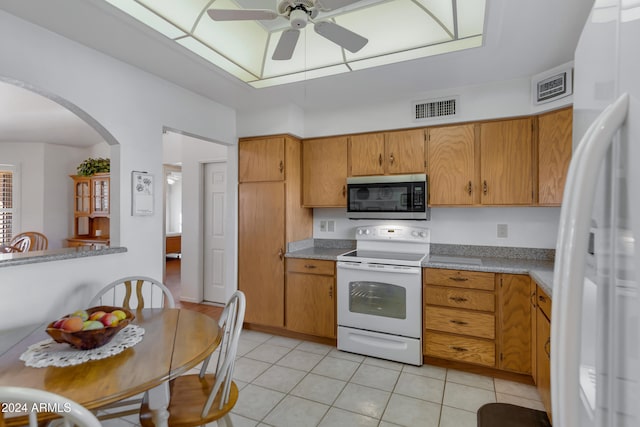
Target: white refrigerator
{"points": [[595, 335]]}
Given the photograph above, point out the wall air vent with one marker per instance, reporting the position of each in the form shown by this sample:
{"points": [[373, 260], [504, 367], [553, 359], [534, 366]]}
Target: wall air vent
{"points": [[552, 85], [434, 108]]}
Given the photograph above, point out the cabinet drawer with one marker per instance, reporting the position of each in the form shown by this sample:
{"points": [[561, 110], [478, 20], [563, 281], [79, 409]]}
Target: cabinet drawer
{"points": [[464, 349], [544, 302], [460, 298], [460, 279], [460, 322], [311, 266]]}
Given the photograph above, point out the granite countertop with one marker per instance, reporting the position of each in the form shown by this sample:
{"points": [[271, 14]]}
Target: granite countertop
{"points": [[538, 263], [13, 259]]}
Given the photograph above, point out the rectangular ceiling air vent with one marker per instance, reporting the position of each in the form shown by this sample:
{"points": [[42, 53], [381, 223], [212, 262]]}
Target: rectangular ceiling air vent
{"points": [[551, 87], [430, 109]]}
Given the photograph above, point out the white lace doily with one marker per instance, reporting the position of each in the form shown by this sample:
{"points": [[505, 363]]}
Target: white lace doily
{"points": [[50, 353]]}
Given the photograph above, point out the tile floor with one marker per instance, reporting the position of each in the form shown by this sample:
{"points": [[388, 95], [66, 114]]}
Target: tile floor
{"points": [[287, 382]]}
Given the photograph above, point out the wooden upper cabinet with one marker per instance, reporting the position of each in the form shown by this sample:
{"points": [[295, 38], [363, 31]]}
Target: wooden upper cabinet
{"points": [[261, 160], [506, 162], [389, 153], [451, 154], [405, 152], [367, 154], [554, 154], [324, 172]]}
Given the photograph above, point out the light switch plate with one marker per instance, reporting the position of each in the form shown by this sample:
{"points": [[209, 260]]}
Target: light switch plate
{"points": [[503, 231]]}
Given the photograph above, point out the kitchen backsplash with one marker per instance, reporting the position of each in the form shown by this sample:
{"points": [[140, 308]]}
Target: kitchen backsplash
{"points": [[524, 227]]}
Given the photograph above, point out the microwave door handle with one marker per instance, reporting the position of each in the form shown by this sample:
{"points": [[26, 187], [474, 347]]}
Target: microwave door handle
{"points": [[573, 241]]}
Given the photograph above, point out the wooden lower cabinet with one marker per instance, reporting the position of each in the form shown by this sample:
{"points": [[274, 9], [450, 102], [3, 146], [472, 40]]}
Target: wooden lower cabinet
{"points": [[261, 248], [479, 318], [543, 349], [462, 349], [514, 323], [310, 306]]}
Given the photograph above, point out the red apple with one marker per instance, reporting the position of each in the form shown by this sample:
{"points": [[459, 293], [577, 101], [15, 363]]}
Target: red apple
{"points": [[109, 319]]}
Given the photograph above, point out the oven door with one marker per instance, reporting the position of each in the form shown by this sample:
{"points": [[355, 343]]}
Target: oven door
{"points": [[380, 298]]}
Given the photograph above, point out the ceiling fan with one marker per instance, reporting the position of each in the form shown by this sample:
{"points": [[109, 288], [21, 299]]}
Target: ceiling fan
{"points": [[298, 12]]}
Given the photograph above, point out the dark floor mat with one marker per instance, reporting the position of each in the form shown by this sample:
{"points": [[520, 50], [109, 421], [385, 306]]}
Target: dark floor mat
{"points": [[506, 415]]}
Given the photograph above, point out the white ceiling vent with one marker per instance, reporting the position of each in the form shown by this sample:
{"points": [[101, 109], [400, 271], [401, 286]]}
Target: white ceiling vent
{"points": [[434, 108], [552, 85]]}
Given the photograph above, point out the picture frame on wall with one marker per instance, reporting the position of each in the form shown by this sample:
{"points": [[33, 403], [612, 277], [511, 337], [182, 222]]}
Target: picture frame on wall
{"points": [[141, 193]]}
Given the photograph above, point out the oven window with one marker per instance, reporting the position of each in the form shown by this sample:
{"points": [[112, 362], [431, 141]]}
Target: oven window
{"points": [[378, 299]]}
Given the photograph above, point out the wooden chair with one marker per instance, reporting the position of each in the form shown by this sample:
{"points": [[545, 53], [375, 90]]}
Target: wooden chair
{"points": [[38, 241], [72, 413], [20, 244], [134, 292], [199, 399]]}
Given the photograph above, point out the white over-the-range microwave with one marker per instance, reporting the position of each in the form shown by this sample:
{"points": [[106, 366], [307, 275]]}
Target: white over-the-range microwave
{"points": [[388, 197]]}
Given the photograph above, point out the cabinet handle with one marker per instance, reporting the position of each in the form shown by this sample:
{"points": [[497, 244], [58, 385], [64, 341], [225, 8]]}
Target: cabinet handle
{"points": [[533, 299], [458, 322], [547, 347], [485, 187], [542, 299], [331, 292], [380, 159], [458, 279], [281, 166], [344, 191], [281, 254], [469, 188], [309, 266], [458, 299], [459, 349], [391, 158]]}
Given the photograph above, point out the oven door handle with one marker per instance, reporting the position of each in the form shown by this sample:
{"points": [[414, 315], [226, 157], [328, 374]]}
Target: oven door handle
{"points": [[347, 265]]}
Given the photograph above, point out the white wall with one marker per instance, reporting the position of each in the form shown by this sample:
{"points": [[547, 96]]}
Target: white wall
{"points": [[133, 107], [527, 227], [46, 199]]}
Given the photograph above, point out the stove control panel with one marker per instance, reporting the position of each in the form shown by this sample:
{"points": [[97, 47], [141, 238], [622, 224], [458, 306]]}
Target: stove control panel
{"points": [[390, 232]]}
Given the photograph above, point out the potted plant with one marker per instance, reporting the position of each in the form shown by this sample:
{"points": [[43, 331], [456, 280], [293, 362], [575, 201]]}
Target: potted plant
{"points": [[92, 166]]}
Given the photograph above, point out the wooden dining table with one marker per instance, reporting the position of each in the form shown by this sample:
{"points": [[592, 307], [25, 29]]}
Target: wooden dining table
{"points": [[175, 340]]}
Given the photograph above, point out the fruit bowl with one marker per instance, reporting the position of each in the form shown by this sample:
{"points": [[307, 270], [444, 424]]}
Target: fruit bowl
{"points": [[93, 338]]}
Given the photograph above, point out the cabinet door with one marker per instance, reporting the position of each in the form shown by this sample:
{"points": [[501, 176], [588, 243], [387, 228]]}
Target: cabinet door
{"points": [[367, 154], [533, 306], [261, 249], [543, 356], [554, 154], [451, 165], [514, 330], [82, 196], [100, 196], [311, 304], [261, 160], [405, 152], [506, 162], [324, 172]]}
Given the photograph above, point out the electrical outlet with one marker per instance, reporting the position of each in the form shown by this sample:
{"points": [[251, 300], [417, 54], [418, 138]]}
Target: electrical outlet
{"points": [[503, 231], [331, 226], [323, 226]]}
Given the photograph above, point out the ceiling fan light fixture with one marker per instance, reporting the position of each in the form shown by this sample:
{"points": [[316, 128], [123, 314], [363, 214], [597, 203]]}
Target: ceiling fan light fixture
{"points": [[298, 18]]}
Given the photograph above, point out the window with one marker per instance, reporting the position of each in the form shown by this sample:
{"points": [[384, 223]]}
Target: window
{"points": [[8, 202]]}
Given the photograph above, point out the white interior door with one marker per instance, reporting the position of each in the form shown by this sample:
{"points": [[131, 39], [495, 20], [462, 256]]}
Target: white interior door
{"points": [[215, 185]]}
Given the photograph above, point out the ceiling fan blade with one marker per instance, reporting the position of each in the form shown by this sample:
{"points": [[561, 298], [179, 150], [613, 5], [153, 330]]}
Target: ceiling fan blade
{"points": [[327, 5], [286, 45], [241, 14], [341, 36]]}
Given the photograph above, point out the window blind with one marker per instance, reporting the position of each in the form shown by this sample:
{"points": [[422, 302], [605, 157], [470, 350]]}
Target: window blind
{"points": [[6, 206]]}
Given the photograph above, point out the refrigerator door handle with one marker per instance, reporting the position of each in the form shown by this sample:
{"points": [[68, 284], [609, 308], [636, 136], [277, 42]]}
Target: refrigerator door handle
{"points": [[569, 268]]}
